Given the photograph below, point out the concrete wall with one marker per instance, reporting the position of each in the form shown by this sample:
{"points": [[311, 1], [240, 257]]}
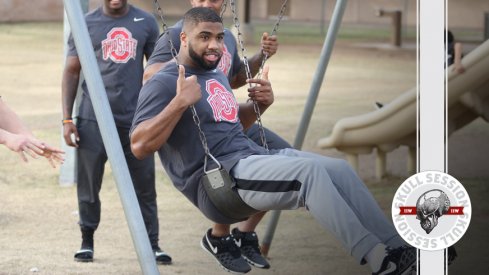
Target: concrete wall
{"points": [[461, 14], [47, 10], [40, 10]]}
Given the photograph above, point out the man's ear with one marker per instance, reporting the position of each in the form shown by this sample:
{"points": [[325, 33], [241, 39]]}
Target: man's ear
{"points": [[183, 39]]}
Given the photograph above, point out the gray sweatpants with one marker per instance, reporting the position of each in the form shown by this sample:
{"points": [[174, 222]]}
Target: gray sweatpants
{"points": [[328, 187]]}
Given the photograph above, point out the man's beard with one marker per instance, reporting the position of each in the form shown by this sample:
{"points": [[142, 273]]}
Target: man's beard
{"points": [[200, 60]]}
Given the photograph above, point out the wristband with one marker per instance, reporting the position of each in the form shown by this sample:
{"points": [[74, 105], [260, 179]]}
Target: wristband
{"points": [[67, 120]]}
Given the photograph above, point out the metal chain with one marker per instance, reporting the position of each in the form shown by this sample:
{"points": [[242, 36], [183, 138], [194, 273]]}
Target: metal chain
{"points": [[223, 8], [195, 117], [166, 31], [274, 31], [256, 108], [240, 39]]}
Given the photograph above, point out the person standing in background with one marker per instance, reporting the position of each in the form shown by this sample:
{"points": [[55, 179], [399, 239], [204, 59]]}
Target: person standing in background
{"points": [[122, 36]]}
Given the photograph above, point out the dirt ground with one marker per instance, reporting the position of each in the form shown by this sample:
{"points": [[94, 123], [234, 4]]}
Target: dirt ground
{"points": [[38, 218]]}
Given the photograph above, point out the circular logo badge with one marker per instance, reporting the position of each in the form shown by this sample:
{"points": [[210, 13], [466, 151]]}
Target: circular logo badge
{"points": [[431, 210]]}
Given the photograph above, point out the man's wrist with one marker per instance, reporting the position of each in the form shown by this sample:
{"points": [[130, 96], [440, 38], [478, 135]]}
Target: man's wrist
{"points": [[67, 120]]}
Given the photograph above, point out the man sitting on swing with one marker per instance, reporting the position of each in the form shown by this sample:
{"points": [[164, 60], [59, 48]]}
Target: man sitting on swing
{"points": [[235, 70], [190, 116]]}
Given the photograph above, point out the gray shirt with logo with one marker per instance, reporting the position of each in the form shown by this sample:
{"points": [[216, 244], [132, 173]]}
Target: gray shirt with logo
{"points": [[120, 44], [183, 154]]}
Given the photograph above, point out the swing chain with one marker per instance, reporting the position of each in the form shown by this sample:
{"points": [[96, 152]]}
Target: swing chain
{"points": [[166, 31], [260, 72], [202, 138], [223, 8], [274, 32], [240, 39], [256, 108], [173, 51]]}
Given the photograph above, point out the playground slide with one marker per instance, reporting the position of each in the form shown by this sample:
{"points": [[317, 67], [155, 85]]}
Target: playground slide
{"points": [[395, 124]]}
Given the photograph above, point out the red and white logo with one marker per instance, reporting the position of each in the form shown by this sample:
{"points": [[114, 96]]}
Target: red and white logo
{"points": [[225, 63], [119, 45], [223, 103]]}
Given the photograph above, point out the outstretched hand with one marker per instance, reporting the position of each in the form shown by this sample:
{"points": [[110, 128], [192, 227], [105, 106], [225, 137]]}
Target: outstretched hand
{"points": [[262, 91], [188, 89], [53, 155], [30, 146]]}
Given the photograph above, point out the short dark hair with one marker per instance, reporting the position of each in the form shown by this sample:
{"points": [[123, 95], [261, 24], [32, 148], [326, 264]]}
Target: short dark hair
{"points": [[198, 15]]}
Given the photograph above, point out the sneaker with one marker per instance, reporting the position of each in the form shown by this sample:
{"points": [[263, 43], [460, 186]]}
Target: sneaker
{"points": [[250, 250], [84, 255], [398, 261], [161, 256], [226, 252]]}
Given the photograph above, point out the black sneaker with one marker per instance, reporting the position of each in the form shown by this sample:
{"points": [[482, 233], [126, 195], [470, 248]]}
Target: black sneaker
{"points": [[399, 261], [226, 252], [250, 250], [161, 256], [84, 255]]}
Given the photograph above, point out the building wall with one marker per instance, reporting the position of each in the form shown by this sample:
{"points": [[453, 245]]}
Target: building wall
{"points": [[461, 14], [40, 10]]}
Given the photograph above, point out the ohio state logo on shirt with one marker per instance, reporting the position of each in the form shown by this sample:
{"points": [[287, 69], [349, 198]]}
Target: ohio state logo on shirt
{"points": [[225, 63], [119, 45], [223, 103]]}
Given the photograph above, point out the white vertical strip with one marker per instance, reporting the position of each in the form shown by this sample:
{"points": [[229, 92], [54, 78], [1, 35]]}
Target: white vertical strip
{"points": [[431, 104]]}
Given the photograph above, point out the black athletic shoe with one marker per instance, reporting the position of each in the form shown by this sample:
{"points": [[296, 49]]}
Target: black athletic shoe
{"points": [[226, 252], [84, 255], [161, 256], [398, 261], [250, 250]]}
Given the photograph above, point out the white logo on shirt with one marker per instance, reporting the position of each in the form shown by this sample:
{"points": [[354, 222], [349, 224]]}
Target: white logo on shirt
{"points": [[138, 19]]}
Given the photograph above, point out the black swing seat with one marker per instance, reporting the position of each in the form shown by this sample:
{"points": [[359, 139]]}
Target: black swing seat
{"points": [[221, 190]]}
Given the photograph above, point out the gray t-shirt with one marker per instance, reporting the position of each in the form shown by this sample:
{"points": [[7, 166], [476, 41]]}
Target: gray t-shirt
{"points": [[183, 154], [120, 45], [230, 62]]}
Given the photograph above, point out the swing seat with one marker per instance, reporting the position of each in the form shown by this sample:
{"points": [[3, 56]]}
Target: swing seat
{"points": [[221, 190]]}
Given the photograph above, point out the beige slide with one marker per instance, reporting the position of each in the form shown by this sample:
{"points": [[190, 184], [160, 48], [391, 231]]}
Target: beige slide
{"points": [[394, 124]]}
